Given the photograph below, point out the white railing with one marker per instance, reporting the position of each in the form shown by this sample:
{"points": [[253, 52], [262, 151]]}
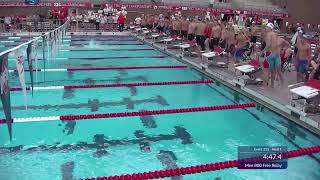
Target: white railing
{"points": [[35, 39]]}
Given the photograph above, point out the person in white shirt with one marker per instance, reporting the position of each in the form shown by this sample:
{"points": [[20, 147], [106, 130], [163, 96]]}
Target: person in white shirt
{"points": [[86, 21], [137, 21], [102, 22], [115, 21], [7, 21]]}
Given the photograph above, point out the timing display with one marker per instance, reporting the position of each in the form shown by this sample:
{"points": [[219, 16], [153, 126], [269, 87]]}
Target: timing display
{"points": [[262, 157]]}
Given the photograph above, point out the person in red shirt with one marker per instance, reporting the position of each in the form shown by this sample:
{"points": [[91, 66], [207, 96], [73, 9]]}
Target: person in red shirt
{"points": [[121, 21]]}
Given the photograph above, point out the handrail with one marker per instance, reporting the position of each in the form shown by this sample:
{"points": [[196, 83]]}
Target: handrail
{"points": [[34, 39]]}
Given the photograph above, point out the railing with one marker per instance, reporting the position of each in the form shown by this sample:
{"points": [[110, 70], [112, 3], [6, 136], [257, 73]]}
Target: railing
{"points": [[35, 39]]}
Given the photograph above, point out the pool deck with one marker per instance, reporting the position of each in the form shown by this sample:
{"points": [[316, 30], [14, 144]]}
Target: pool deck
{"points": [[277, 99]]}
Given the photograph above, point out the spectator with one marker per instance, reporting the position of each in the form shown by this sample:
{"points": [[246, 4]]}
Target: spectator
{"points": [[121, 21]]}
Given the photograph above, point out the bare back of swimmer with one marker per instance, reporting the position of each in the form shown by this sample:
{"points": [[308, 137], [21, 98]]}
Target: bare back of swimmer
{"points": [[303, 57], [184, 27], [200, 37], [191, 30], [273, 46], [216, 34]]}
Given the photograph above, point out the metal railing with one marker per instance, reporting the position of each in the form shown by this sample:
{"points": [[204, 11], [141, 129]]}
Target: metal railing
{"points": [[45, 36]]}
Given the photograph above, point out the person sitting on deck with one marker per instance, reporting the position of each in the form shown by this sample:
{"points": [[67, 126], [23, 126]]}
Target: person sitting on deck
{"points": [[314, 68]]}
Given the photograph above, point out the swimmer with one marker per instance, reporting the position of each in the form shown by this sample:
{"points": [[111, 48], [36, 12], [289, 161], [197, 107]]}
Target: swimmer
{"points": [[303, 57], [216, 34], [184, 28], [273, 45], [200, 38], [191, 30]]}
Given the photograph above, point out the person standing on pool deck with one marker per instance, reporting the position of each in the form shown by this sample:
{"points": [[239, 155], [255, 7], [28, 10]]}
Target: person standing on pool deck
{"points": [[184, 28], [191, 30], [216, 34], [121, 21], [200, 38], [176, 26], [303, 57], [274, 60]]}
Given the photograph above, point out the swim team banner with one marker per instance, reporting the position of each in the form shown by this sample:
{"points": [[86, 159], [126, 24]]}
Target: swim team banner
{"points": [[20, 69], [194, 8], [5, 91], [49, 4]]}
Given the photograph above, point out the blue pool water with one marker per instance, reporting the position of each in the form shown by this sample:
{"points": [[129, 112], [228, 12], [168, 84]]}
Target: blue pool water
{"points": [[99, 147]]}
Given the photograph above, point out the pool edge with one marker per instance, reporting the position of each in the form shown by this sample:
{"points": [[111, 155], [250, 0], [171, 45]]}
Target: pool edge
{"points": [[273, 105]]}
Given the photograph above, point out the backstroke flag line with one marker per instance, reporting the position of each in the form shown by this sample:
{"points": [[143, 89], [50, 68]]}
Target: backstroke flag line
{"points": [[20, 68], [5, 91], [35, 50], [29, 59]]}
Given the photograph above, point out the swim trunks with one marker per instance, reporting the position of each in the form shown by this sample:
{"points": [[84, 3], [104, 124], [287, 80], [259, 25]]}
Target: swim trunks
{"points": [[190, 37], [238, 54], [301, 67], [184, 34], [274, 61], [200, 39]]}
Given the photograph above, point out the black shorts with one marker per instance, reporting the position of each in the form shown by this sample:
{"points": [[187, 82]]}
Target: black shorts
{"points": [[190, 37], [184, 34], [175, 32], [253, 39], [214, 42], [160, 29], [149, 26], [200, 39]]}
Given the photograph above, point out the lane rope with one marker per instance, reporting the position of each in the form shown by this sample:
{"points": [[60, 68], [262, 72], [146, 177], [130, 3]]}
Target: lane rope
{"points": [[131, 114], [199, 168], [117, 57], [167, 83], [105, 68], [110, 49]]}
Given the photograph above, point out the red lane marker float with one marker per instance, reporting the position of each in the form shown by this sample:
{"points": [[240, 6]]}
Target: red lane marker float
{"points": [[117, 85], [130, 114], [199, 168], [111, 44], [156, 112], [101, 40], [106, 68], [118, 57], [138, 49], [126, 68], [101, 36]]}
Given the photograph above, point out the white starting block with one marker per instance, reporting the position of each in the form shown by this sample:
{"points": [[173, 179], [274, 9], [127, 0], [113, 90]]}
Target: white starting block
{"points": [[249, 71], [306, 93], [206, 56]]}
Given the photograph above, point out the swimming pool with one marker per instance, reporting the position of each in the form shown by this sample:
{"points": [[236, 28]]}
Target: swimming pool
{"points": [[100, 147]]}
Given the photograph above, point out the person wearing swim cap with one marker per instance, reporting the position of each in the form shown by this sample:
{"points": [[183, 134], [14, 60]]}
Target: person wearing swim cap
{"points": [[303, 57], [273, 54]]}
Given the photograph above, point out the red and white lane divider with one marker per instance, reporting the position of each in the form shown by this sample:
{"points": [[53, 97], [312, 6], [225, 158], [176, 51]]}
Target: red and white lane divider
{"points": [[130, 114], [199, 168], [105, 68], [106, 49], [117, 85]]}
